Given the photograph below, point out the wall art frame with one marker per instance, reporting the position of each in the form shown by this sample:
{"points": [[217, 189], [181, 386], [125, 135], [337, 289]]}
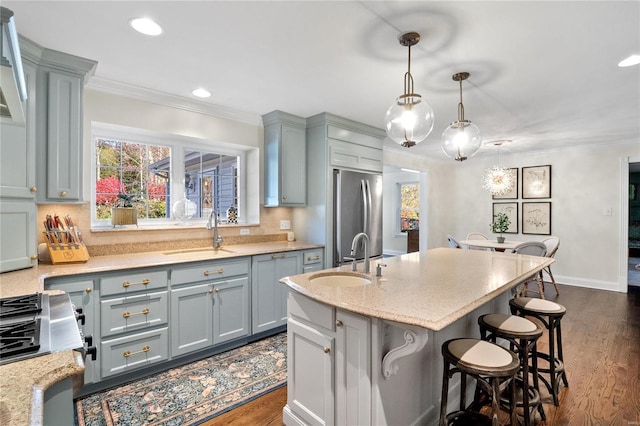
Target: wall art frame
{"points": [[536, 218], [511, 210], [536, 182], [513, 194]]}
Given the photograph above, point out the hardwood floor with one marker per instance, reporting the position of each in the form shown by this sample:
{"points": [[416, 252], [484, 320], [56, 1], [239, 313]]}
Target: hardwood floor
{"points": [[601, 340]]}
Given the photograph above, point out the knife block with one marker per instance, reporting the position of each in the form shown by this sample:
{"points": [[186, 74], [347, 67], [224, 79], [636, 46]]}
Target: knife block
{"points": [[68, 253]]}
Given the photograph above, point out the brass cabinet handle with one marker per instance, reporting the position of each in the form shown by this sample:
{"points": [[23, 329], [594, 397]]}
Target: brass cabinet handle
{"points": [[217, 290], [63, 194], [143, 282], [339, 323], [279, 256], [210, 291], [220, 271], [127, 354], [88, 289], [309, 258], [284, 197], [34, 257], [127, 314], [205, 273], [33, 189], [327, 350]]}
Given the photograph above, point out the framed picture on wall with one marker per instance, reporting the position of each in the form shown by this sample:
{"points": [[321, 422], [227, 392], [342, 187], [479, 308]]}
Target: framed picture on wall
{"points": [[536, 182], [513, 194], [511, 210], [536, 218]]}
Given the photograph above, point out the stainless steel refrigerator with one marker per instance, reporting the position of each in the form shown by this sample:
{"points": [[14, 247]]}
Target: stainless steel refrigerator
{"points": [[357, 201]]}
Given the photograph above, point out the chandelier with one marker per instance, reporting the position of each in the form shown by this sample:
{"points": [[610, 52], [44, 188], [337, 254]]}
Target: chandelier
{"points": [[462, 138], [498, 180], [410, 119]]}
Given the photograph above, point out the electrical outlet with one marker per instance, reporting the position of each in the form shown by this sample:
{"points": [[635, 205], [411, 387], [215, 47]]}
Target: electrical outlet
{"points": [[285, 224], [244, 231]]}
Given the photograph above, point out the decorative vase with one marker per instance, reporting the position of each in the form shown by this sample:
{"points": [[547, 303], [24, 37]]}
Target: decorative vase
{"points": [[124, 216], [232, 214], [500, 240]]}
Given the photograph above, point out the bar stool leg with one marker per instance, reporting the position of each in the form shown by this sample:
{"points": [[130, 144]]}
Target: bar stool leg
{"points": [[560, 356]]}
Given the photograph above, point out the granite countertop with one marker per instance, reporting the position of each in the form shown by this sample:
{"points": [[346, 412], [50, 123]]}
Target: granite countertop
{"points": [[27, 380], [430, 290]]}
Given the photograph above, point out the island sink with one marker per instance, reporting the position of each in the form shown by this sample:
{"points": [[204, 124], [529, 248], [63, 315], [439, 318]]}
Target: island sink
{"points": [[340, 279]]}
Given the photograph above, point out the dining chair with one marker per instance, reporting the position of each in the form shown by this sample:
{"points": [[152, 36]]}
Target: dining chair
{"points": [[453, 243], [552, 244], [532, 248], [478, 236]]}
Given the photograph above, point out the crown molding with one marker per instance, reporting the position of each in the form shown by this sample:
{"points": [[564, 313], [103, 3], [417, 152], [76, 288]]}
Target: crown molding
{"points": [[173, 101]]}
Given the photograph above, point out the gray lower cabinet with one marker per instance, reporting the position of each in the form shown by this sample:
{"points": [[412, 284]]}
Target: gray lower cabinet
{"points": [[268, 295], [133, 320], [82, 295], [209, 304], [312, 260]]}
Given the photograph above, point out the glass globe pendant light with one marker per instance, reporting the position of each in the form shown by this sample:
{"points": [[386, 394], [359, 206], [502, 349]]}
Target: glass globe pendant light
{"points": [[410, 119], [462, 138]]}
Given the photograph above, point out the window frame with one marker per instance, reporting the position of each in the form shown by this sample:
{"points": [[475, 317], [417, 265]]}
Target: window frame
{"points": [[178, 144]]}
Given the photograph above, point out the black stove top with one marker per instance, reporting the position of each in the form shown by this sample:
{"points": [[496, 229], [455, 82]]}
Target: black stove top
{"points": [[19, 337], [20, 305]]}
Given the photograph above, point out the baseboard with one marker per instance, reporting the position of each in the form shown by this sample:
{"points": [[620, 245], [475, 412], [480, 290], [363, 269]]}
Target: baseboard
{"points": [[581, 282]]}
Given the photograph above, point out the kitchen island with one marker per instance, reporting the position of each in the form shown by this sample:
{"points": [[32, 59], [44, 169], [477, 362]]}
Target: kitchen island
{"points": [[370, 353]]}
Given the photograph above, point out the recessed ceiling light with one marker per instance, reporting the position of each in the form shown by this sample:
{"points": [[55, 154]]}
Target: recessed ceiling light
{"points": [[630, 61], [146, 26], [201, 93]]}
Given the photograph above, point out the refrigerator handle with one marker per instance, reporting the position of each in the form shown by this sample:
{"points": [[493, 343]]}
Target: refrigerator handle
{"points": [[365, 207]]}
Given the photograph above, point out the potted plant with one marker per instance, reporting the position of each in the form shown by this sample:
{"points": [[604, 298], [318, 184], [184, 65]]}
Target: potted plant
{"points": [[123, 211], [499, 225]]}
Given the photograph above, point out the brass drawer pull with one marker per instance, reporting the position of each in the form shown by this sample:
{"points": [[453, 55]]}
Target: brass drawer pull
{"points": [[63, 194], [88, 289], [327, 350], [127, 354], [217, 290], [143, 282], [279, 256], [145, 311], [219, 271], [309, 258], [339, 323], [34, 189]]}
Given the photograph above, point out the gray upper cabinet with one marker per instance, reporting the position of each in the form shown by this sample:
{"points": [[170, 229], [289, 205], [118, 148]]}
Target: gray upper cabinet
{"points": [[18, 185], [285, 148], [60, 86]]}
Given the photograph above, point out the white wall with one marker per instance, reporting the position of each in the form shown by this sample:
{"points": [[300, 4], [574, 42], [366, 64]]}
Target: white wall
{"points": [[585, 182]]}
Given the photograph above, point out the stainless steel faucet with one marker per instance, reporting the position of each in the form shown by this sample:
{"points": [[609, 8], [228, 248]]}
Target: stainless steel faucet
{"points": [[354, 247], [217, 239]]}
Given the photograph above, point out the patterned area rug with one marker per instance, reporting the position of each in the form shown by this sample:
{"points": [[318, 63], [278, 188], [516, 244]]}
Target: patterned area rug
{"points": [[193, 393]]}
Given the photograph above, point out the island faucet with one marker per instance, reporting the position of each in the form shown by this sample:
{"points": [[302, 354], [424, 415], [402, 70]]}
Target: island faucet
{"points": [[217, 239], [354, 247]]}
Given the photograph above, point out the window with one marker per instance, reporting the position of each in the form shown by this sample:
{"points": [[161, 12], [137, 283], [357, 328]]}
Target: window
{"points": [[136, 169], [409, 206], [161, 170]]}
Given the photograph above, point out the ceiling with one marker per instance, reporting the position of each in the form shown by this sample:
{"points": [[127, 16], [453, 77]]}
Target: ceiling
{"points": [[543, 73]]}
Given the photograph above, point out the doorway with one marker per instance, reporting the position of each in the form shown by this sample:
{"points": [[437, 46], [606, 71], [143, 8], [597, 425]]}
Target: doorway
{"points": [[633, 267]]}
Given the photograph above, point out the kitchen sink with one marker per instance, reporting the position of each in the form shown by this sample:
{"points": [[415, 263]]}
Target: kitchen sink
{"points": [[340, 279], [201, 250]]}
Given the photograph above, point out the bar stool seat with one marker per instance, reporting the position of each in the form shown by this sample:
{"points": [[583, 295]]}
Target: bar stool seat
{"points": [[550, 315], [522, 336], [493, 367]]}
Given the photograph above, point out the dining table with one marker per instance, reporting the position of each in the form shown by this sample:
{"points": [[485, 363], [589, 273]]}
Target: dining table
{"points": [[492, 243]]}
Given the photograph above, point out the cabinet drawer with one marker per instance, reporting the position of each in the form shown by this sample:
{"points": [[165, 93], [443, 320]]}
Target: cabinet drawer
{"points": [[133, 352], [133, 313], [209, 271], [303, 308], [312, 257], [133, 282]]}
